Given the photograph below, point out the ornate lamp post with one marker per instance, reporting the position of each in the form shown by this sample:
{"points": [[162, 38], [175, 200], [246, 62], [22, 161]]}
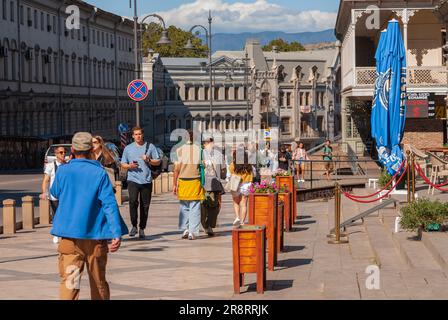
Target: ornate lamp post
{"points": [[163, 40], [189, 45]]}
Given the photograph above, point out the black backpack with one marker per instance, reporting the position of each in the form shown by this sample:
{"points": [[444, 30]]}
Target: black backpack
{"points": [[155, 170]]}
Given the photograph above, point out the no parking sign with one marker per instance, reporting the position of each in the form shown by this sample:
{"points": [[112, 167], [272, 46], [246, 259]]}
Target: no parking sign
{"points": [[137, 90]]}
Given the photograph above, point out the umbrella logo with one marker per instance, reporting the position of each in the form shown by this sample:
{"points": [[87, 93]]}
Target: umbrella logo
{"points": [[384, 87]]}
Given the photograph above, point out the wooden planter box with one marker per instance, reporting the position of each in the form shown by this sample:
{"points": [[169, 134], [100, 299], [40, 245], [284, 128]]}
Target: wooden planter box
{"points": [[249, 255], [289, 182], [286, 198], [280, 224], [263, 211]]}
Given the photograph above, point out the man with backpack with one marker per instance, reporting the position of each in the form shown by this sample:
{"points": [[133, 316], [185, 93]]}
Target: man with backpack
{"points": [[142, 161]]}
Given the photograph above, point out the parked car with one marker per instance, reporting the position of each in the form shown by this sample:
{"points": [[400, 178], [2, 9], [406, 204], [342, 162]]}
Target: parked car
{"points": [[50, 155]]}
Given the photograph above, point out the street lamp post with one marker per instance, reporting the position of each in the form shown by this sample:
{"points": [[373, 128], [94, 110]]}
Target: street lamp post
{"points": [[189, 45]]}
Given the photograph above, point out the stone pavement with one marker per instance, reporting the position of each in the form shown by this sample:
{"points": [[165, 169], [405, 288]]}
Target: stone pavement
{"points": [[163, 266]]}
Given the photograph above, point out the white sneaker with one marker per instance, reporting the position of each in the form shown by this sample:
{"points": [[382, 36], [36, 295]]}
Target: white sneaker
{"points": [[55, 240], [185, 234], [236, 222]]}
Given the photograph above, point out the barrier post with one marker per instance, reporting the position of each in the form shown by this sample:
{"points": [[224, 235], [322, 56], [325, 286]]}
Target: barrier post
{"points": [[9, 216], [44, 212], [311, 171], [408, 175], [413, 176], [28, 213], [337, 217], [119, 192]]}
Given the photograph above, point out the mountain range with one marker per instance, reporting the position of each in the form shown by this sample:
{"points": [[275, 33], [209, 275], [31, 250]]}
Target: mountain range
{"points": [[236, 41]]}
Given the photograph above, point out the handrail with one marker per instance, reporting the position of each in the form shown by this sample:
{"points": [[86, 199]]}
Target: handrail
{"points": [[362, 215]]}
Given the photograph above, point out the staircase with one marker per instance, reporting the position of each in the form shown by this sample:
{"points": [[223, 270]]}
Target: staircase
{"points": [[418, 268]]}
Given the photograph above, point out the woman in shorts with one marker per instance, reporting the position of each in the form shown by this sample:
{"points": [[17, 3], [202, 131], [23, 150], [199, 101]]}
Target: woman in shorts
{"points": [[244, 171], [299, 156]]}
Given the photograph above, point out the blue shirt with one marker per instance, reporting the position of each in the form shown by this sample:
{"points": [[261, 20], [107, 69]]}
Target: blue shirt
{"points": [[87, 206], [134, 152]]}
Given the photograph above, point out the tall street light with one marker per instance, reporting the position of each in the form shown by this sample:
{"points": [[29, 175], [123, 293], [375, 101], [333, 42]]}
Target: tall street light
{"points": [[163, 40], [189, 45]]}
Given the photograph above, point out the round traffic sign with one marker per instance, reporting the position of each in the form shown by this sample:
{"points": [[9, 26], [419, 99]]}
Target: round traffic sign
{"points": [[123, 128], [137, 90]]}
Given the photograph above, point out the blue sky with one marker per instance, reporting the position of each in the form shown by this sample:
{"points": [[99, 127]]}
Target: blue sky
{"points": [[236, 15]]}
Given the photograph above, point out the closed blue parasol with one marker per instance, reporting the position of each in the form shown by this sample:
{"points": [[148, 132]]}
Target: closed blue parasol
{"points": [[389, 109]]}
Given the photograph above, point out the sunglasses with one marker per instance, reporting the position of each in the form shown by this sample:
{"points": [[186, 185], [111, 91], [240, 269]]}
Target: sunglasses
{"points": [[61, 152], [95, 142]]}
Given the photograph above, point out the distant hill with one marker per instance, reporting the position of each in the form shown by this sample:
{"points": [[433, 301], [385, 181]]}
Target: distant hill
{"points": [[236, 41]]}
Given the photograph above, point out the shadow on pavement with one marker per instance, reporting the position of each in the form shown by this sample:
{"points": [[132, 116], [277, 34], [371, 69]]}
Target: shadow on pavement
{"points": [[147, 249], [298, 229], [292, 263], [305, 222], [293, 248], [271, 285], [303, 217]]}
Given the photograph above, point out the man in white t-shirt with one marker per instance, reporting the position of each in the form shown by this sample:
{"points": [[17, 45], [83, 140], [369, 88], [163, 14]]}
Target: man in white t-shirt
{"points": [[49, 174]]}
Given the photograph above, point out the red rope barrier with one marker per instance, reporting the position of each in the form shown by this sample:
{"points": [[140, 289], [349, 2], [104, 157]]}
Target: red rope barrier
{"points": [[418, 167], [425, 178], [349, 196], [384, 188]]}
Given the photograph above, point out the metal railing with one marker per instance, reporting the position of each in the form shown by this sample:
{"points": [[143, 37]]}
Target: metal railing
{"points": [[340, 168]]}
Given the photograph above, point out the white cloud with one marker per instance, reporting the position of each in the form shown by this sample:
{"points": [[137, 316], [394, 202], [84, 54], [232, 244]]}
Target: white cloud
{"points": [[259, 15]]}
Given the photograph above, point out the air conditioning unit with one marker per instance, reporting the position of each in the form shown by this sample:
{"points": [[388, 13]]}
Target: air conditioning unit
{"points": [[3, 52], [30, 23], [48, 28]]}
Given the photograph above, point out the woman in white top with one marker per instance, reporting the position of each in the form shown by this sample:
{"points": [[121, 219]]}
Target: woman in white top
{"points": [[299, 156]]}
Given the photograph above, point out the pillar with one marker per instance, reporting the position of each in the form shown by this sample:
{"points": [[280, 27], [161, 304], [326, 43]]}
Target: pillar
{"points": [[165, 182], [9, 216], [170, 181], [28, 213], [119, 192], [44, 211]]}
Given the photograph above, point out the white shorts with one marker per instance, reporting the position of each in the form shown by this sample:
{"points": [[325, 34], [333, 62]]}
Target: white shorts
{"points": [[243, 190]]}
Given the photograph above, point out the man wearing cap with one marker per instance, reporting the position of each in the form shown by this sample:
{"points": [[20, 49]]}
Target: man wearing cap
{"points": [[87, 217]]}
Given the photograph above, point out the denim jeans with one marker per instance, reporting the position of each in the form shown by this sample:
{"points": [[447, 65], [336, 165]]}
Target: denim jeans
{"points": [[190, 216]]}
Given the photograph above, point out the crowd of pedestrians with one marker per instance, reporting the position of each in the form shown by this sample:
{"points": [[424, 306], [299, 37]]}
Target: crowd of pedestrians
{"points": [[86, 219]]}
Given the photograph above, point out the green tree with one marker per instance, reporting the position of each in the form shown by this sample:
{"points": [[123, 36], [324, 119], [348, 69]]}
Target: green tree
{"points": [[283, 46], [178, 39]]}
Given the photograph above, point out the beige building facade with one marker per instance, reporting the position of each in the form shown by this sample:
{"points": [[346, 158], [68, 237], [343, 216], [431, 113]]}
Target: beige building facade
{"points": [[358, 27]]}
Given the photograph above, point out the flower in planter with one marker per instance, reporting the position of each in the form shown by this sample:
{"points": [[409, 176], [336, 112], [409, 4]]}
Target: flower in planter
{"points": [[264, 187], [282, 173]]}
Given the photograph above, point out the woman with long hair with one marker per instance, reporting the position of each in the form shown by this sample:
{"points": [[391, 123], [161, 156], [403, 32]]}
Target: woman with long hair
{"points": [[105, 157], [242, 169]]}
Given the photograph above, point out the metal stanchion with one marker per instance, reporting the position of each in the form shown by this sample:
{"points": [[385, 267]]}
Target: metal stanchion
{"points": [[337, 218], [408, 176], [413, 177], [311, 172]]}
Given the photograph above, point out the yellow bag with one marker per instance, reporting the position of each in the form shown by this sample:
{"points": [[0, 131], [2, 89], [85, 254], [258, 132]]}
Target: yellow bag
{"points": [[190, 190]]}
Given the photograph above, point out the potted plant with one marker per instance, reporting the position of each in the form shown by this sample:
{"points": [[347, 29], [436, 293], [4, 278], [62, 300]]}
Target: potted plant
{"points": [[424, 215], [263, 203], [385, 177]]}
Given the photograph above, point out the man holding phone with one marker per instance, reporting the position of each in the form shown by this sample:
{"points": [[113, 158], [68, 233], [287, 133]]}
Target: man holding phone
{"points": [[137, 159]]}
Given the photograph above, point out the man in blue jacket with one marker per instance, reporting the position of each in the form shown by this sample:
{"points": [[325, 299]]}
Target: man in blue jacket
{"points": [[87, 217]]}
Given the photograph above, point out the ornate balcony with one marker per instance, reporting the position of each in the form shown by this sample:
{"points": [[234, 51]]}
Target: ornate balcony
{"points": [[417, 76]]}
